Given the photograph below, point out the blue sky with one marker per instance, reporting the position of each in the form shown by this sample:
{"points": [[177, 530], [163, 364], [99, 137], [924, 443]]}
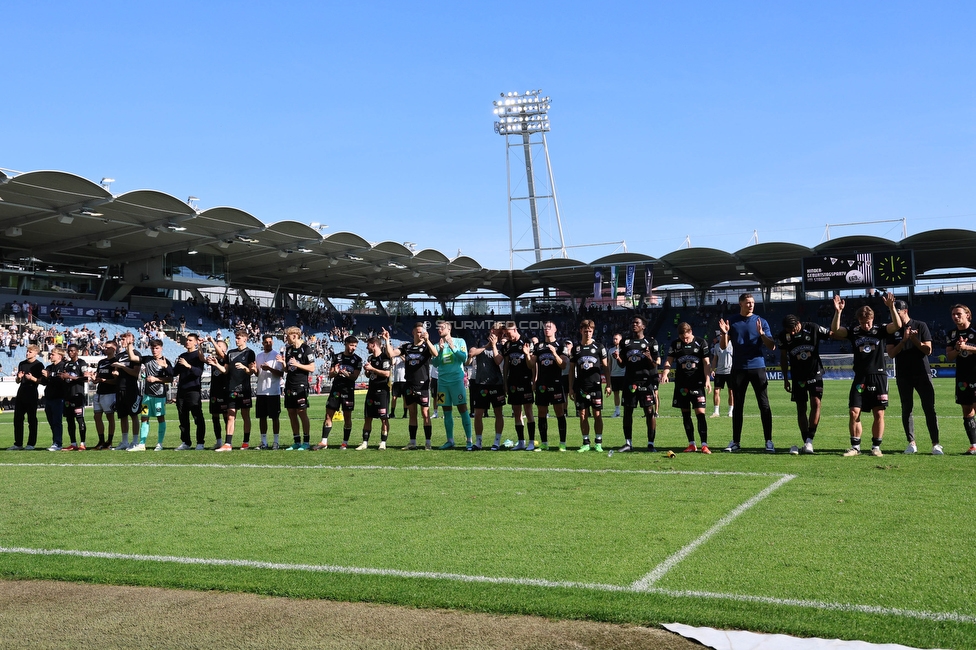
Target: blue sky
{"points": [[708, 120]]}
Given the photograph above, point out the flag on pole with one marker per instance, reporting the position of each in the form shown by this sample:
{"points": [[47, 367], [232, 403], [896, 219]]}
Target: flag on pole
{"points": [[631, 272]]}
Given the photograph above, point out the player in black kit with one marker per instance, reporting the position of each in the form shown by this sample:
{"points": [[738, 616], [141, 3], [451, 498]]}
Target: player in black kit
{"points": [[799, 352], [962, 350], [74, 373], [299, 363], [378, 369], [690, 358], [640, 358], [416, 358], [550, 357], [910, 347], [519, 370], [870, 387], [587, 374], [487, 387], [345, 369]]}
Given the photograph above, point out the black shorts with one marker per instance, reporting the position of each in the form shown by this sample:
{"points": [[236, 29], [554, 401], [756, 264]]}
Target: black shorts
{"points": [[378, 403], [126, 404], [74, 404], [804, 391], [296, 398], [721, 381], [487, 397], [518, 395], [239, 401], [965, 392], [218, 405], [399, 388], [869, 392], [341, 399], [416, 395], [589, 399], [638, 396], [618, 383], [688, 397], [267, 406], [546, 395]]}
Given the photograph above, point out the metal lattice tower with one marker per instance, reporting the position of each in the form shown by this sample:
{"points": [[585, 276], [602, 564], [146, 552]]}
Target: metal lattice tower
{"points": [[524, 120]]}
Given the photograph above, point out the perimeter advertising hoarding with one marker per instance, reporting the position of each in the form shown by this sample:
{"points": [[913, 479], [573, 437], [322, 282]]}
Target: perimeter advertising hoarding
{"points": [[859, 270]]}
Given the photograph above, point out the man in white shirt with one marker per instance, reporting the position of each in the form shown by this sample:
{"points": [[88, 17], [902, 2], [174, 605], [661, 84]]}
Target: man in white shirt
{"points": [[268, 406]]}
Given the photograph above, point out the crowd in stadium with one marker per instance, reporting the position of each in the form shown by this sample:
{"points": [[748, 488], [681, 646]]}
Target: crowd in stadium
{"points": [[476, 371]]}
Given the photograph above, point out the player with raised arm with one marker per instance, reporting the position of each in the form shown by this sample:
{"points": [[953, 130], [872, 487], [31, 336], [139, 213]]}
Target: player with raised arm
{"points": [[799, 359], [452, 354], [346, 368], [588, 372], [870, 387], [748, 332], [416, 357], [961, 349], [689, 356]]}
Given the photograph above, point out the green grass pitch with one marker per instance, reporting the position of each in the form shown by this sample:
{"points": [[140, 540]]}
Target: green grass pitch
{"points": [[870, 548]]}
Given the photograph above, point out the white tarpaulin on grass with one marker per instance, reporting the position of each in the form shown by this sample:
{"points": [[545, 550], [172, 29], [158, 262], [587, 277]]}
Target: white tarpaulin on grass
{"points": [[736, 640]]}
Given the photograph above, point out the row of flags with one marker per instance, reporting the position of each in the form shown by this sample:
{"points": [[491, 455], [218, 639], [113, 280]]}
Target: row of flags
{"points": [[630, 275]]}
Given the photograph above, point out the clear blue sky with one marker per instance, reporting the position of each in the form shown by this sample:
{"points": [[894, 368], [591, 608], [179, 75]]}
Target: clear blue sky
{"points": [[668, 119]]}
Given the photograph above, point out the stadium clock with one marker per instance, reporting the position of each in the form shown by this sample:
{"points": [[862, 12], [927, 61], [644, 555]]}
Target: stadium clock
{"points": [[895, 268]]}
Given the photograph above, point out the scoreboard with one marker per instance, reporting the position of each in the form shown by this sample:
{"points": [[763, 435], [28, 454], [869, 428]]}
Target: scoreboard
{"points": [[859, 270]]}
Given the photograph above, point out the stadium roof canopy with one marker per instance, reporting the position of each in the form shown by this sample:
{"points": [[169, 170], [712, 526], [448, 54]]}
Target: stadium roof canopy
{"points": [[64, 221]]}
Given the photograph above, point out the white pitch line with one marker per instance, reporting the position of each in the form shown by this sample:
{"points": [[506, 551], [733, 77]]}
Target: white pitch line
{"points": [[528, 582], [819, 604], [672, 561], [411, 468], [317, 568]]}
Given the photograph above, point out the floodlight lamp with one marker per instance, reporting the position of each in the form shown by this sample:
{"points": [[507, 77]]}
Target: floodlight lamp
{"points": [[192, 251], [416, 274], [106, 182], [283, 254], [292, 269], [175, 227], [224, 243], [13, 231], [65, 219], [152, 232], [304, 250], [103, 243]]}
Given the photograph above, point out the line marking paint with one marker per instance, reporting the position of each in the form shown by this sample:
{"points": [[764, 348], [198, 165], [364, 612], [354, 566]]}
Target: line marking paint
{"points": [[672, 561], [456, 577], [411, 468]]}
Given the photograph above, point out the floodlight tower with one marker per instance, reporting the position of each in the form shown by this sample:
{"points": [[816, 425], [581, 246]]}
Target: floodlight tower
{"points": [[521, 116]]}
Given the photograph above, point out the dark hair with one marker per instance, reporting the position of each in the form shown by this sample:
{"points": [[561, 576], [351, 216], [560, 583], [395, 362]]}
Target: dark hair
{"points": [[790, 322], [350, 339]]}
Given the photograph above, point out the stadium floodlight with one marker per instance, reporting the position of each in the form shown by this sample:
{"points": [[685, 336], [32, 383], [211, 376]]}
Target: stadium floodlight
{"points": [[519, 117]]}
